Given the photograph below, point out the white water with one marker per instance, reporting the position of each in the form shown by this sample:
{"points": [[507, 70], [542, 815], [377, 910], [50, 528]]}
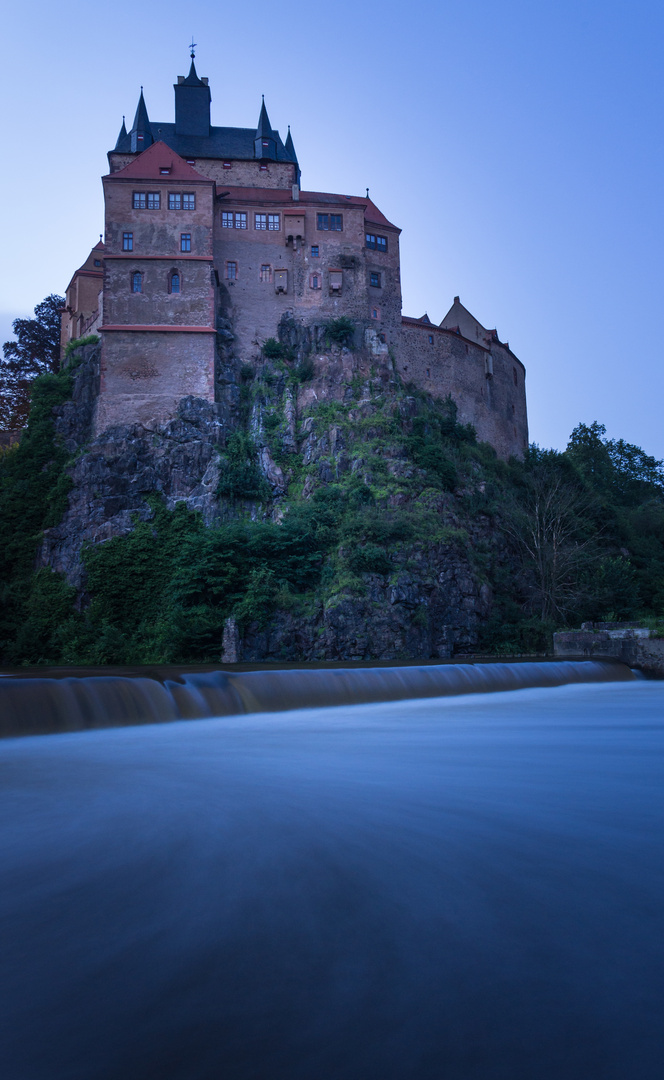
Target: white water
{"points": [[446, 889]]}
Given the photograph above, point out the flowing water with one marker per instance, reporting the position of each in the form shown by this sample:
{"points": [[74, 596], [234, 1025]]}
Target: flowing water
{"points": [[452, 888]]}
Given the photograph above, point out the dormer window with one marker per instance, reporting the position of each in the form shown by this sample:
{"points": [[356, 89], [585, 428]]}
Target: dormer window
{"points": [[266, 142], [262, 167], [190, 161], [164, 170], [227, 165]]}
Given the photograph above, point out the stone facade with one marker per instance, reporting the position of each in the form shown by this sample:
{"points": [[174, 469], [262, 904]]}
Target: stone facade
{"points": [[212, 246]]}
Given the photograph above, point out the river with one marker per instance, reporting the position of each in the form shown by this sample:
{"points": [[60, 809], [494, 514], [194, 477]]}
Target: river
{"points": [[460, 888]]}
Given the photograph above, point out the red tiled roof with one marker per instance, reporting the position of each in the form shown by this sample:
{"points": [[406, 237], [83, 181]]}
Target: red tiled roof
{"points": [[280, 196], [158, 156]]}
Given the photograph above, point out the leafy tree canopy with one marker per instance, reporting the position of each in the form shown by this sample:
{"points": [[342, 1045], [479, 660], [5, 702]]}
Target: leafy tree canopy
{"points": [[36, 351]]}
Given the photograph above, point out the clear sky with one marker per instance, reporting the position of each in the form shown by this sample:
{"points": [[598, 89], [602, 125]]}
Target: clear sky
{"points": [[518, 145]]}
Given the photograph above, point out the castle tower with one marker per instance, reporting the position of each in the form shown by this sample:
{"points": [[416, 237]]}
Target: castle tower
{"points": [[192, 105], [158, 328]]}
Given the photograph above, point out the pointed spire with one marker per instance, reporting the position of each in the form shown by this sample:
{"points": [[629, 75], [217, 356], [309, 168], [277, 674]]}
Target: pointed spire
{"points": [[289, 147], [265, 143], [264, 127], [122, 137], [141, 132], [192, 78]]}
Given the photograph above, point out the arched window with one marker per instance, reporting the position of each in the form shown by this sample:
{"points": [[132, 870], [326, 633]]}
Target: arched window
{"points": [[137, 281], [174, 281]]}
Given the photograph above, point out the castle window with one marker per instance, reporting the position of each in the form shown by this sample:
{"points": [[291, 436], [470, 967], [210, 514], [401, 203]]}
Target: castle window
{"points": [[431, 339], [336, 281], [374, 279], [97, 262], [266, 272], [227, 219], [314, 251], [381, 243], [174, 200], [154, 200], [240, 221], [139, 200], [329, 222], [128, 241], [137, 282], [375, 313], [315, 281], [273, 222], [260, 221], [231, 271], [281, 281], [375, 243], [428, 373], [185, 241], [174, 282], [188, 201]]}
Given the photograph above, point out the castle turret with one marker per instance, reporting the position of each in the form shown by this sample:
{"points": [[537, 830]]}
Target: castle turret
{"points": [[141, 133], [192, 104], [265, 142], [290, 150], [123, 139]]}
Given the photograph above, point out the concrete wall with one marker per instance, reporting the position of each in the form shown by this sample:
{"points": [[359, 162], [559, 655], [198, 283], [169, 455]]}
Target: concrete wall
{"points": [[145, 375], [480, 380], [633, 647]]}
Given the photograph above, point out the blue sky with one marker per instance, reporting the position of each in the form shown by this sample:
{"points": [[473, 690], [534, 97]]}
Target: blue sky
{"points": [[518, 146]]}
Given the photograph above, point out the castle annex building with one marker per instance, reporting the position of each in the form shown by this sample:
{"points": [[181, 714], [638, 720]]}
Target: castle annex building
{"points": [[211, 244]]}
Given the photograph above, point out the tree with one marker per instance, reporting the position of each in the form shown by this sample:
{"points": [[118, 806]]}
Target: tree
{"points": [[548, 523], [36, 351]]}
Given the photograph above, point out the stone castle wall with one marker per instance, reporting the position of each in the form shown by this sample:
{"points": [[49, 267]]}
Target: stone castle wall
{"points": [[251, 301], [488, 385], [278, 174], [144, 375]]}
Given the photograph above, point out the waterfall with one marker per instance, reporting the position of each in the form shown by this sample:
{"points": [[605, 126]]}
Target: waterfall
{"points": [[38, 706]]}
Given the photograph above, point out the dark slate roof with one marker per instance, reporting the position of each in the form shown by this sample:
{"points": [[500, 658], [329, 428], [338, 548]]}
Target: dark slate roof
{"points": [[264, 130], [141, 120], [192, 78], [231, 144], [290, 148]]}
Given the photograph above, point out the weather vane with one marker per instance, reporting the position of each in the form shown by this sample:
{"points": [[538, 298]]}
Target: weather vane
{"points": [[192, 47]]}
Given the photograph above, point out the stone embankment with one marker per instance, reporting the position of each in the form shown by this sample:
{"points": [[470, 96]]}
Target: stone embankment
{"points": [[627, 642]]}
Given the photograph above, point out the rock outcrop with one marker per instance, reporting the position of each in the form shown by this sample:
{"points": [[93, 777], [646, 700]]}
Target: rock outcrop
{"points": [[340, 422]]}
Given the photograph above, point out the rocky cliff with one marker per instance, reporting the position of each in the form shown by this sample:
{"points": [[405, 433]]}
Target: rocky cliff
{"points": [[410, 546]]}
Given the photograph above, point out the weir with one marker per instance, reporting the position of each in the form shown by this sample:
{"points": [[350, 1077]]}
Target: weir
{"points": [[46, 706]]}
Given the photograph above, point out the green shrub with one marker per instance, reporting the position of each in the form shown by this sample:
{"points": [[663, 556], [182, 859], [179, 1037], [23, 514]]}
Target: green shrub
{"points": [[274, 350], [241, 477], [340, 331], [369, 559], [304, 372]]}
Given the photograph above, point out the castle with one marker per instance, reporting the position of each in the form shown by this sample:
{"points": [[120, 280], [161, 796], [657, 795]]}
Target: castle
{"points": [[211, 245]]}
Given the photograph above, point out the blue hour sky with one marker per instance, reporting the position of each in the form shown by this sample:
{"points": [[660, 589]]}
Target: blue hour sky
{"points": [[518, 146]]}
